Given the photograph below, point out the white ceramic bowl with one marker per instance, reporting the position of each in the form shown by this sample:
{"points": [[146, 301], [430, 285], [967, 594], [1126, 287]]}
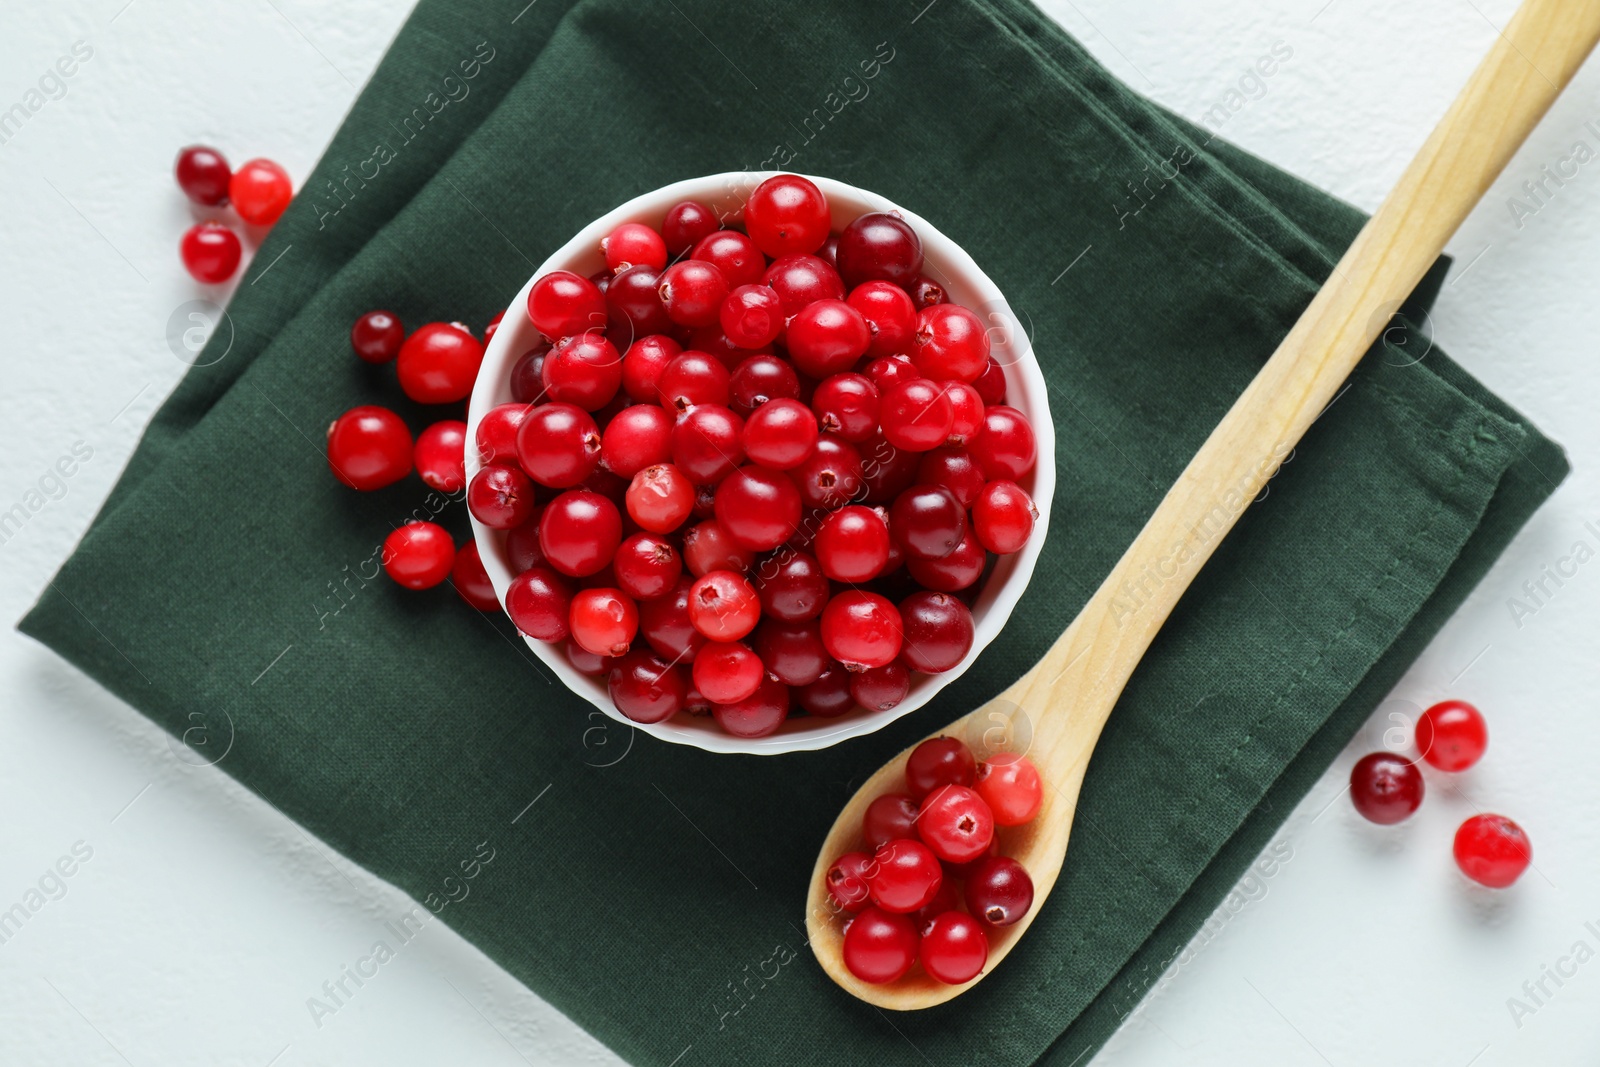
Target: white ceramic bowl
{"points": [[965, 283]]}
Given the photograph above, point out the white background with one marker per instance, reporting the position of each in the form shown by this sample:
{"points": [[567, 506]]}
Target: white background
{"points": [[205, 919]]}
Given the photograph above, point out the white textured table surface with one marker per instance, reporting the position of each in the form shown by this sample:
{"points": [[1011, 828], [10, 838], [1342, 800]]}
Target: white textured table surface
{"points": [[202, 919]]}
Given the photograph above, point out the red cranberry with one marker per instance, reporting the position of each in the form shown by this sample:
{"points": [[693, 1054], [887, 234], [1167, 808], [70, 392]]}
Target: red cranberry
{"points": [[751, 316], [792, 651], [419, 555], [955, 572], [633, 244], [756, 715], [1385, 788], [692, 291], [831, 475], [780, 434], [527, 375], [636, 437], [792, 587], [440, 456], [646, 688], [686, 224], [203, 175], [471, 580], [938, 631], [561, 304], [1003, 516], [603, 621], [950, 342], [660, 498], [829, 252], [1005, 446], [1492, 850], [957, 470], [538, 601], [439, 363], [497, 432], [633, 305], [579, 532], [712, 341], [500, 497], [583, 369], [861, 629], [723, 606], [928, 521], [847, 880], [879, 947], [664, 624], [879, 247], [369, 447], [558, 445], [889, 817], [759, 508], [761, 378], [259, 191], [939, 761], [787, 214], [727, 672], [956, 824], [916, 416], [705, 443], [800, 279], [647, 566], [966, 411], [890, 315], [904, 877], [709, 547], [377, 336], [210, 252], [925, 292], [853, 544], [1452, 735], [999, 890], [954, 948], [692, 379], [1009, 783], [735, 255], [991, 384], [828, 696], [646, 358], [827, 337], [847, 405], [881, 688], [887, 371], [522, 545], [585, 662]]}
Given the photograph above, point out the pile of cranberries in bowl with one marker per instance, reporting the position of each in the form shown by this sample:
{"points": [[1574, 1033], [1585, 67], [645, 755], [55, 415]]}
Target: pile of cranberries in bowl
{"points": [[929, 884], [748, 472]]}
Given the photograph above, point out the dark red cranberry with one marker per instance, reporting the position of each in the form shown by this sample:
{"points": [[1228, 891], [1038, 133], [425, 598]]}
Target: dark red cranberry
{"points": [[471, 580], [955, 572], [1385, 788], [203, 175], [886, 471], [879, 247], [925, 292], [999, 890], [377, 336], [633, 305], [527, 375], [685, 224], [709, 547], [889, 817], [757, 715], [881, 688], [705, 443], [800, 279], [791, 585], [928, 521], [956, 469], [792, 651], [759, 379], [938, 631], [937, 762], [991, 384], [522, 545], [665, 626], [829, 696], [847, 405], [646, 688], [831, 475]]}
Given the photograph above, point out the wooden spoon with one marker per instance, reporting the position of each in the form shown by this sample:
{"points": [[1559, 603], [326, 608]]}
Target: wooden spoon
{"points": [[1066, 698]]}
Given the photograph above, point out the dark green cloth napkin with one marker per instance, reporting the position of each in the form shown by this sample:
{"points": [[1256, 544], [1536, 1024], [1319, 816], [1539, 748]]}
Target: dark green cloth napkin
{"points": [[655, 893]]}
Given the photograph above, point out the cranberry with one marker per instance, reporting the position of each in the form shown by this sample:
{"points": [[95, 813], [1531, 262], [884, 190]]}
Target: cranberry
{"points": [[559, 445], [991, 384], [723, 605], [664, 624], [1452, 735], [1009, 783], [886, 471], [562, 304], [1385, 788], [939, 761], [497, 432], [471, 580], [583, 369], [950, 342], [928, 521], [955, 572], [828, 696], [904, 877], [527, 375], [585, 662], [1005, 446], [890, 315], [957, 470], [522, 545], [440, 456], [925, 292], [751, 316], [259, 191], [377, 336], [861, 629], [890, 816], [692, 291], [579, 532], [1492, 850], [709, 547], [800, 279], [780, 434], [847, 880], [879, 947], [646, 688], [756, 715], [886, 371], [727, 672], [792, 587], [601, 280], [916, 416], [847, 405], [759, 508], [705, 443], [787, 214], [646, 358], [879, 247], [881, 688], [792, 651], [686, 224], [659, 498], [831, 475], [955, 823], [538, 601], [829, 252], [999, 890], [692, 379], [735, 255], [419, 555], [826, 337], [966, 411], [633, 305], [853, 544], [369, 447], [603, 621], [636, 437], [439, 363], [633, 244], [954, 948], [647, 566], [203, 175], [210, 252], [500, 497], [712, 341], [761, 378], [1003, 517]]}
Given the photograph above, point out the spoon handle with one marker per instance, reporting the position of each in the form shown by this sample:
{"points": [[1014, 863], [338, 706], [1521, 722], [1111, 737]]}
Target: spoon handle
{"points": [[1083, 673]]}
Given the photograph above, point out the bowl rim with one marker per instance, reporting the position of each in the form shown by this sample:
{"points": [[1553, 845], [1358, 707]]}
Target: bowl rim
{"points": [[502, 352]]}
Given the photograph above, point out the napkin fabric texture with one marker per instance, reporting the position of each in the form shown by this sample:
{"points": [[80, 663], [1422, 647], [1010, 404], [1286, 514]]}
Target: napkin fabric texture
{"points": [[655, 893]]}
